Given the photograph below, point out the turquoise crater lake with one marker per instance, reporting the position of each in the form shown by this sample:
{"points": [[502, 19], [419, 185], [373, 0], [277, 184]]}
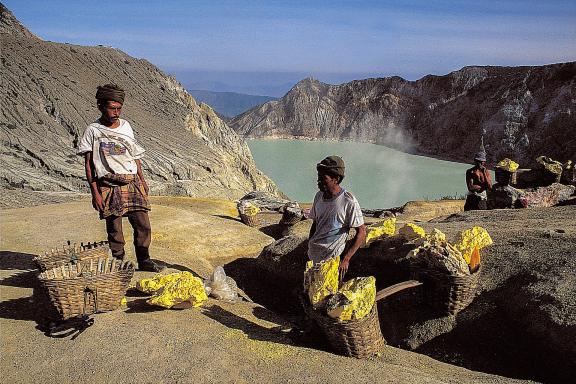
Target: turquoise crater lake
{"points": [[378, 176]]}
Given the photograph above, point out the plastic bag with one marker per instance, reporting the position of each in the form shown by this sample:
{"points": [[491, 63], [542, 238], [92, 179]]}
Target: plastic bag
{"points": [[321, 280], [411, 231], [187, 288], [222, 287], [385, 228], [470, 239], [354, 300]]}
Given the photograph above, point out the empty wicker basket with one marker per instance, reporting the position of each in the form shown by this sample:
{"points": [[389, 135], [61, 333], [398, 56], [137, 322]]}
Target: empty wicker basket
{"points": [[252, 221], [446, 293], [355, 338], [291, 217], [72, 254], [88, 286]]}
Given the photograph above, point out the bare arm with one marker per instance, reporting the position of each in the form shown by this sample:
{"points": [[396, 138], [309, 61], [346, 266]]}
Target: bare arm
{"points": [[312, 230], [97, 201], [488, 179], [358, 240], [141, 175], [470, 182]]}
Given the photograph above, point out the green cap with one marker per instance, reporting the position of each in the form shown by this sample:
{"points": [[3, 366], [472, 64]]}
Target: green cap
{"points": [[332, 165]]}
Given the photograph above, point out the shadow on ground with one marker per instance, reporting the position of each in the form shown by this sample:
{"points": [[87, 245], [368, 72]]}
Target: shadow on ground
{"points": [[36, 307], [252, 330]]}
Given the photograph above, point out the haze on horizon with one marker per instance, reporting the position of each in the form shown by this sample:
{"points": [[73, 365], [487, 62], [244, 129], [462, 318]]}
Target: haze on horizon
{"points": [[264, 47]]}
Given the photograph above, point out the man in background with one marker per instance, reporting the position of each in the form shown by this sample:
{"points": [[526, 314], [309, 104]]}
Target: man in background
{"points": [[334, 212], [478, 181], [114, 173]]}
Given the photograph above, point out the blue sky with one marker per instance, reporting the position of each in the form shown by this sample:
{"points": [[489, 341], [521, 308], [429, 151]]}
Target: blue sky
{"points": [[242, 43]]}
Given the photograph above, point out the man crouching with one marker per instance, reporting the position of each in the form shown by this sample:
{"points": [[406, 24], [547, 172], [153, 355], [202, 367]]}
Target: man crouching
{"points": [[114, 173], [334, 212]]}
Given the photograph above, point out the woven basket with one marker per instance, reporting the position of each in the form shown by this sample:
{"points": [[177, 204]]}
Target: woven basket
{"points": [[71, 254], [88, 286], [446, 293], [290, 217], [354, 338], [251, 221]]}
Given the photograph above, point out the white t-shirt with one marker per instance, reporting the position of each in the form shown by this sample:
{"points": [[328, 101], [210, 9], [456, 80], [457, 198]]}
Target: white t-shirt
{"points": [[114, 150], [333, 217]]}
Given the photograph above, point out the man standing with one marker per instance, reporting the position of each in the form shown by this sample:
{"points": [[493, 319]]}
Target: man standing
{"points": [[478, 181], [114, 173], [334, 212]]}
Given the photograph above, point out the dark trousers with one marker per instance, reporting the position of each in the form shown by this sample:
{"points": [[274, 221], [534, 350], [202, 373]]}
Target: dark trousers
{"points": [[142, 234], [474, 202]]}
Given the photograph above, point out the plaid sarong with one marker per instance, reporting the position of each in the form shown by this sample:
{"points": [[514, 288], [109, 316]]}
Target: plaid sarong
{"points": [[118, 200]]}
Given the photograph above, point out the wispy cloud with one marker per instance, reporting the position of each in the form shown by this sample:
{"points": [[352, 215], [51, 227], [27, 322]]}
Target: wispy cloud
{"points": [[408, 37]]}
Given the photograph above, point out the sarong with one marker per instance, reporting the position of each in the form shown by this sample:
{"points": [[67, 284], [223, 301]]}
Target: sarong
{"points": [[120, 199]]}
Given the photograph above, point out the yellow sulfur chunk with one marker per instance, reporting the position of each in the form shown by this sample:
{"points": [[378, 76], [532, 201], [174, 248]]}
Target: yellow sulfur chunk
{"points": [[354, 300], [385, 228], [321, 280], [436, 237], [247, 208], [157, 282], [508, 165], [411, 231], [551, 165], [187, 288], [475, 237]]}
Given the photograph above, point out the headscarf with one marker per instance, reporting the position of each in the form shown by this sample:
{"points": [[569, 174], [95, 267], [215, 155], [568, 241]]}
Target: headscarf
{"points": [[480, 156], [110, 92]]}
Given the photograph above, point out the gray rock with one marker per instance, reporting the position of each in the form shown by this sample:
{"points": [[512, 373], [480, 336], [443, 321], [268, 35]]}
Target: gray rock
{"points": [[264, 200], [286, 248]]}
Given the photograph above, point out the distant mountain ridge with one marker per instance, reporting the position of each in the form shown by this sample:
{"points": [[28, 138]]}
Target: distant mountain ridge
{"points": [[520, 112], [47, 98], [229, 104]]}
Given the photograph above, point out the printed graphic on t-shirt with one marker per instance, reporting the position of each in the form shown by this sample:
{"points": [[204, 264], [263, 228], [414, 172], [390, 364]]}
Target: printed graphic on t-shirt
{"points": [[112, 149]]}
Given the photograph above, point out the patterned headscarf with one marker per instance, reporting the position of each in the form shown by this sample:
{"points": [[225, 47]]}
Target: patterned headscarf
{"points": [[110, 92]]}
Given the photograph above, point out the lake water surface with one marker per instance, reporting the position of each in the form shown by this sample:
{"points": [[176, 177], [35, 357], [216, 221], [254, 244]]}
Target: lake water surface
{"points": [[378, 176]]}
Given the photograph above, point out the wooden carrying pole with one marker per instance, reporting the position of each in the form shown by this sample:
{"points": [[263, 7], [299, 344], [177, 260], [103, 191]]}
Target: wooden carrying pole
{"points": [[383, 293]]}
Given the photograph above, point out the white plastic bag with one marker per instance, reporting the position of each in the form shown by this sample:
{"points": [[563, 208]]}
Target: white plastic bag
{"points": [[222, 287]]}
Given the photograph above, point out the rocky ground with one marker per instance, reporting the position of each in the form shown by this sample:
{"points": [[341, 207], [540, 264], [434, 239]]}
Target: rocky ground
{"points": [[522, 319], [222, 342]]}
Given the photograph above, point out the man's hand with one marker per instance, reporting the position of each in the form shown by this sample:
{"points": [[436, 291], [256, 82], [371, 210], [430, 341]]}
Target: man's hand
{"points": [[343, 268], [359, 239], [146, 188], [141, 176], [97, 202]]}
